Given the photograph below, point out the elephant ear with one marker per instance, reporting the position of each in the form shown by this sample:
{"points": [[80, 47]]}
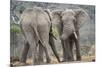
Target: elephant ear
{"points": [[57, 12], [56, 20], [56, 17], [81, 17]]}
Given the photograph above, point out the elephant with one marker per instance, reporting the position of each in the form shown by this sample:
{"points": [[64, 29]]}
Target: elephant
{"points": [[68, 23], [35, 26]]}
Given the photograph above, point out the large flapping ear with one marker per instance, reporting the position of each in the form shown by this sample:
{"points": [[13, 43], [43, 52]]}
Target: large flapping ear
{"points": [[57, 12], [81, 17]]}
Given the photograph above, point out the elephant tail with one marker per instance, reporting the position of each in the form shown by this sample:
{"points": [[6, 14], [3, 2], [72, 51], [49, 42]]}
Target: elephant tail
{"points": [[36, 34]]}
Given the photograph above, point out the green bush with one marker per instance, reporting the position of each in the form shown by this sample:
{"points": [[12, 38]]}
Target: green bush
{"points": [[55, 32], [15, 28]]}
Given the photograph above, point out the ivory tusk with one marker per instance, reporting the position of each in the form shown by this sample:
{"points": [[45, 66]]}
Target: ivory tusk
{"points": [[75, 35]]}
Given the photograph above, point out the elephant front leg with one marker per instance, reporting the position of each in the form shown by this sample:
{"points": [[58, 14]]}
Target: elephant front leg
{"points": [[78, 55], [66, 50], [71, 43]]}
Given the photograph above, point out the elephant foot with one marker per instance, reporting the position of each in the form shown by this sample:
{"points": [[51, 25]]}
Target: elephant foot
{"points": [[67, 60], [78, 58], [18, 64], [48, 61], [23, 64], [63, 61]]}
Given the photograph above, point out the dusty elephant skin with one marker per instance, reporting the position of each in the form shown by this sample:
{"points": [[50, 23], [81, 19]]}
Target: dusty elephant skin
{"points": [[68, 23], [35, 25]]}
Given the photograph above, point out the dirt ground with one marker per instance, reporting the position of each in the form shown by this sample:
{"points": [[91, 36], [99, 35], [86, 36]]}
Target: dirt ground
{"points": [[54, 61]]}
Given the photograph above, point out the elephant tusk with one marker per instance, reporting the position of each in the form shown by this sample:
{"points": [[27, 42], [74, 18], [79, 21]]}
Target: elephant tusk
{"points": [[75, 35]]}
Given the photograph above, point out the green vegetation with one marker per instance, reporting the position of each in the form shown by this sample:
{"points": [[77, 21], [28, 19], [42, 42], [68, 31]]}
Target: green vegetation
{"points": [[15, 28], [55, 32]]}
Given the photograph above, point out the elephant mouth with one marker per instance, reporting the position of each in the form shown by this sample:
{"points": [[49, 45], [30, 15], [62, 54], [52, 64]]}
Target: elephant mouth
{"points": [[64, 37]]}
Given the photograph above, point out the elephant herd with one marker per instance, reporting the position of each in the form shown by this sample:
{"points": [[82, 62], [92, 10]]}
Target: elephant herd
{"points": [[36, 25]]}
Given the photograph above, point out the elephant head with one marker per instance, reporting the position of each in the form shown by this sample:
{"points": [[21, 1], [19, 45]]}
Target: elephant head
{"points": [[68, 21]]}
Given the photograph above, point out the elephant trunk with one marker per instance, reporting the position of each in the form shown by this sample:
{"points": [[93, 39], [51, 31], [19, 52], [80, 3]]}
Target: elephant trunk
{"points": [[68, 28]]}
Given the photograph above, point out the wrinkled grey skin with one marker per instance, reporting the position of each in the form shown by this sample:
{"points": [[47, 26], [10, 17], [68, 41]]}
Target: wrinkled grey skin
{"points": [[68, 23], [35, 25]]}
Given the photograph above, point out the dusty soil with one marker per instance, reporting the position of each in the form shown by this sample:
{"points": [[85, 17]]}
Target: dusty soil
{"points": [[54, 61]]}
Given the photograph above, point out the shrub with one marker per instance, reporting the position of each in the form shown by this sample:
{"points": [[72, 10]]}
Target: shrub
{"points": [[15, 28], [55, 32]]}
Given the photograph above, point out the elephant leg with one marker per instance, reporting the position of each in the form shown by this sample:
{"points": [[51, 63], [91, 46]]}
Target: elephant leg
{"points": [[36, 58], [44, 36], [66, 50], [69, 50], [41, 52], [42, 49], [51, 42], [25, 52], [71, 42], [29, 35], [78, 55], [47, 56], [46, 53], [34, 53]]}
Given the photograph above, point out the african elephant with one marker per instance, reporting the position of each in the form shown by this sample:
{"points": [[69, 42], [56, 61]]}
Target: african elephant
{"points": [[68, 23], [35, 25]]}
